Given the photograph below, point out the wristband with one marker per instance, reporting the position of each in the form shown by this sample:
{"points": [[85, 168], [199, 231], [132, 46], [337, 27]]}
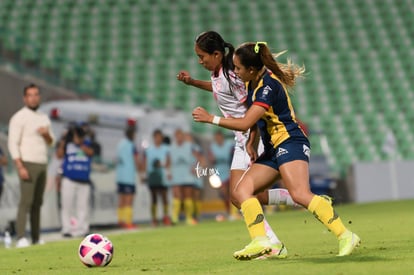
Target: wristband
{"points": [[216, 120]]}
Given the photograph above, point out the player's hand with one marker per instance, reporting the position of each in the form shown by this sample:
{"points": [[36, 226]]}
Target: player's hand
{"points": [[252, 152], [23, 173], [201, 115], [185, 77], [43, 131]]}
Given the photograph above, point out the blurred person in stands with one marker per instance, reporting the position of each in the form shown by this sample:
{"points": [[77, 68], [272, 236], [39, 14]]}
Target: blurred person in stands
{"points": [[77, 154], [90, 135], [198, 182], [157, 163], [127, 165], [30, 136]]}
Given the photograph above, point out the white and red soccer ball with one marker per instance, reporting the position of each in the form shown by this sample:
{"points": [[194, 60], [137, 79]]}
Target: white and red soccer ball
{"points": [[95, 250]]}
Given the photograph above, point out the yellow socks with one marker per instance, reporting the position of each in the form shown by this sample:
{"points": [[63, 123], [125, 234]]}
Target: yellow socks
{"points": [[176, 204], [189, 209], [128, 215], [121, 215], [324, 212], [253, 216]]}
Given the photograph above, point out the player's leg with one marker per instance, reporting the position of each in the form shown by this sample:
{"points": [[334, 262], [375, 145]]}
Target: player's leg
{"points": [[295, 175], [176, 204], [196, 195], [258, 177], [128, 204], [235, 176], [188, 204], [276, 196], [225, 195], [154, 202], [164, 198], [121, 205], [240, 164]]}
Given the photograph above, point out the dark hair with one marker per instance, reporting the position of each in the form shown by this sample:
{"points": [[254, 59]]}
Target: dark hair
{"points": [[210, 42], [286, 73], [129, 132], [157, 132], [30, 86], [72, 131]]}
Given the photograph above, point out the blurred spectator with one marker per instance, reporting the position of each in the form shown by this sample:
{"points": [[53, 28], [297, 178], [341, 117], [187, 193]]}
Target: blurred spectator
{"points": [[29, 137], [221, 155], [96, 146], [3, 162], [182, 159], [198, 181], [91, 137], [126, 166], [75, 190], [157, 164]]}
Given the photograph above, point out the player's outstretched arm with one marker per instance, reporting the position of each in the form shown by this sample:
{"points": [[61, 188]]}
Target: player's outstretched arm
{"points": [[185, 77], [252, 115]]}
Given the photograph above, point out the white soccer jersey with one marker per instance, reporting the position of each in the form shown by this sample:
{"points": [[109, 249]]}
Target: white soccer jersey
{"points": [[231, 102]]}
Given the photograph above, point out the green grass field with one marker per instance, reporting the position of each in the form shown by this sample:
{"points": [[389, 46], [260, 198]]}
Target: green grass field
{"points": [[386, 230]]}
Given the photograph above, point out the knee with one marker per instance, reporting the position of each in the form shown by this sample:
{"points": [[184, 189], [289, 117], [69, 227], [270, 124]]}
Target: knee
{"points": [[237, 196], [302, 197]]}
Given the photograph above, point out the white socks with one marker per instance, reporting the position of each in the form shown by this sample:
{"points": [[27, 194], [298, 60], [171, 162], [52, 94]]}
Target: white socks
{"points": [[270, 234], [279, 196]]}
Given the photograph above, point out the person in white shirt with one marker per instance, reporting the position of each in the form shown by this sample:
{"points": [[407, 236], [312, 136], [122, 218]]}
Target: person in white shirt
{"points": [[29, 137]]}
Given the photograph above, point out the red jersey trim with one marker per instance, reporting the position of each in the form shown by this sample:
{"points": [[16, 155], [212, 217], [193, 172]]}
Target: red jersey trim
{"points": [[261, 104]]}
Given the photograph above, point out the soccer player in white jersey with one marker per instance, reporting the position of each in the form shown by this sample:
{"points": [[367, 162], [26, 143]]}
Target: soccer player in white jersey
{"points": [[230, 93]]}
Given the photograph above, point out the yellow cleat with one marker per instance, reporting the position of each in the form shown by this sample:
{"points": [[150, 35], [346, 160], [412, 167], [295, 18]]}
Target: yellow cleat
{"points": [[279, 251], [257, 247], [348, 241]]}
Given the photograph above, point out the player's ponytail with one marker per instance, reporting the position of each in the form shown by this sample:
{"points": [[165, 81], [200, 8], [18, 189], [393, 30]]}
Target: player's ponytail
{"points": [[257, 55], [210, 42], [227, 62]]}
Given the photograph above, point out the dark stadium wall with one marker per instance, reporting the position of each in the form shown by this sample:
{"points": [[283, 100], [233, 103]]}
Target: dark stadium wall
{"points": [[11, 93]]}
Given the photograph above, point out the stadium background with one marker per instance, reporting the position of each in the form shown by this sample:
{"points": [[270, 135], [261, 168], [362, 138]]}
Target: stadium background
{"points": [[358, 55]]}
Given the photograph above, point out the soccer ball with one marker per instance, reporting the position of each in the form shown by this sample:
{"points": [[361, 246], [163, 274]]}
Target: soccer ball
{"points": [[95, 250]]}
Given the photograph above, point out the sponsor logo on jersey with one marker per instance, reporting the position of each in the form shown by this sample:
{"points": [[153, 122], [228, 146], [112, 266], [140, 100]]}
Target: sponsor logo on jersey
{"points": [[266, 90]]}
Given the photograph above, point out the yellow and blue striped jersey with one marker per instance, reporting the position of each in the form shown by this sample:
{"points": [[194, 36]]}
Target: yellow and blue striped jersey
{"points": [[279, 122]]}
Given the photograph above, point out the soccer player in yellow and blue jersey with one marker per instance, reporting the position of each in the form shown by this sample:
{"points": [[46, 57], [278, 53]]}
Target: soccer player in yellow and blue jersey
{"points": [[287, 149], [216, 55]]}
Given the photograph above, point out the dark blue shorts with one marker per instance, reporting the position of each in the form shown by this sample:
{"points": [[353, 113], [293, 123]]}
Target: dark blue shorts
{"points": [[289, 150], [126, 188]]}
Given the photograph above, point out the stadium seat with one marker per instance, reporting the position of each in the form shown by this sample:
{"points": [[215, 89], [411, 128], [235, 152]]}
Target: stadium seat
{"points": [[358, 55]]}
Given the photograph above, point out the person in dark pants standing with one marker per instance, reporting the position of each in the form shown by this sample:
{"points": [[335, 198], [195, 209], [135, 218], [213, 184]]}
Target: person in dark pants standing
{"points": [[3, 162], [29, 137]]}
